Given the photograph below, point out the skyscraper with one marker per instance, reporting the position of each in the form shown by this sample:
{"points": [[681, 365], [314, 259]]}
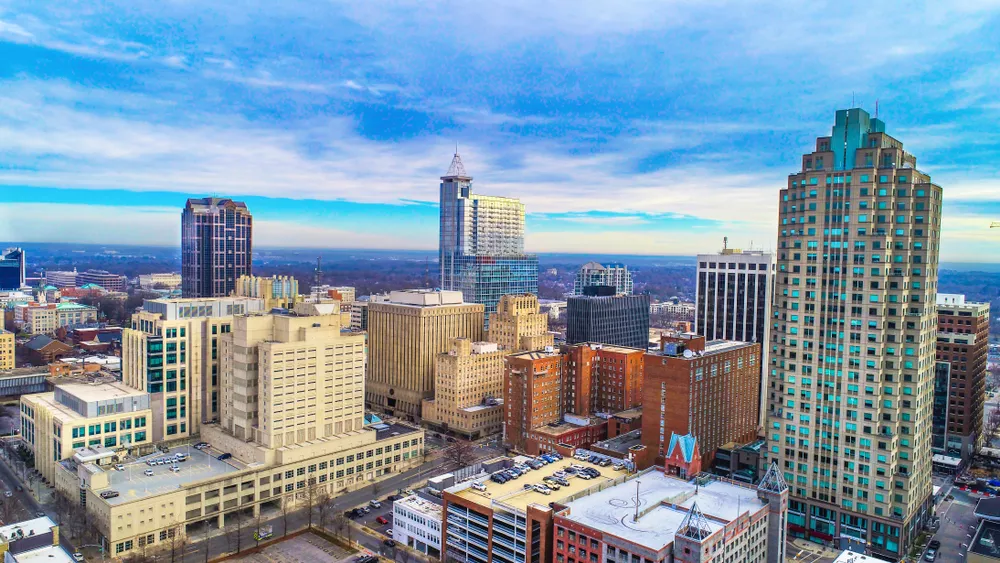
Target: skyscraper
{"points": [[12, 269], [852, 371], [962, 344], [216, 246], [599, 316], [482, 243], [733, 301], [595, 273]]}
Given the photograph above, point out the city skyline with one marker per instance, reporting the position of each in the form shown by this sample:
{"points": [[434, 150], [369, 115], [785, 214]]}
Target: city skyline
{"points": [[613, 149]]}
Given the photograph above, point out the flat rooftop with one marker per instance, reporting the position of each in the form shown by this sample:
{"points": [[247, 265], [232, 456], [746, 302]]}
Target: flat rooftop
{"points": [[666, 501], [563, 427], [33, 527], [536, 354], [622, 442], [133, 484], [421, 505], [386, 430], [48, 554], [990, 532], [90, 392], [612, 348], [848, 556], [513, 494]]}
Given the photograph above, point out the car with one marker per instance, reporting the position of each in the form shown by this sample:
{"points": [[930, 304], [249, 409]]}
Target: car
{"points": [[348, 514], [382, 520], [542, 489], [148, 472], [528, 486], [479, 487], [389, 532], [180, 455], [389, 543], [19, 489], [119, 467], [367, 559], [224, 456], [108, 494], [559, 474], [375, 504], [930, 555], [605, 462], [201, 445], [562, 481], [40, 514], [595, 473], [175, 469], [585, 476], [77, 556], [569, 471], [8, 494], [366, 509], [934, 544], [552, 485]]}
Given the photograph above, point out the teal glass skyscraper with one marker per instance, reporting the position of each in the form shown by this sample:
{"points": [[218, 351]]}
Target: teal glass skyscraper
{"points": [[482, 243]]}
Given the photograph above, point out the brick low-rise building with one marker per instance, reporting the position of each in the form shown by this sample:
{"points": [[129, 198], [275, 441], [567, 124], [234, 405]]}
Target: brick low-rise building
{"points": [[707, 389]]}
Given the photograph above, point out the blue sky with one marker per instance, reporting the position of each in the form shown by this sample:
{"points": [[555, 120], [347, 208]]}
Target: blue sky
{"points": [[629, 128]]}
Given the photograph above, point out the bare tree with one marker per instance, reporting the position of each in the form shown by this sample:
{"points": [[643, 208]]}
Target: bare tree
{"points": [[175, 542], [285, 509], [257, 521], [8, 511], [208, 538], [342, 526], [460, 454], [233, 526], [324, 504], [310, 499]]}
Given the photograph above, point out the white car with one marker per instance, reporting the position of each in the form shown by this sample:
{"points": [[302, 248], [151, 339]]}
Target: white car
{"points": [[175, 469], [8, 494], [119, 467], [78, 556], [148, 473], [479, 487], [375, 504]]}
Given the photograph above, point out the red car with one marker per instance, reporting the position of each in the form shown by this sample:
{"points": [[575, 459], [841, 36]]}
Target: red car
{"points": [[381, 520]]}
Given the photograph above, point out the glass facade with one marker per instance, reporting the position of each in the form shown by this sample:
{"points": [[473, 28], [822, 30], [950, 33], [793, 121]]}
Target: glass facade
{"points": [[620, 320], [482, 243], [939, 421], [11, 269]]}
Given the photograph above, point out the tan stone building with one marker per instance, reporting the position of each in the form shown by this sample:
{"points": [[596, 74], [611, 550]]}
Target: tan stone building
{"points": [[281, 292], [306, 441], [171, 352], [77, 416], [468, 390], [519, 324], [314, 377], [7, 360], [405, 336], [851, 376]]}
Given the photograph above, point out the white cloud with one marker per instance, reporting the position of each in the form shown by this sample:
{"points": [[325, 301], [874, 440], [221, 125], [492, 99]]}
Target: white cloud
{"points": [[14, 32]]}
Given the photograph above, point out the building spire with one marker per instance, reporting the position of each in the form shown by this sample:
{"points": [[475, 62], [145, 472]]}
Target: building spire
{"points": [[773, 481], [694, 526], [457, 169]]}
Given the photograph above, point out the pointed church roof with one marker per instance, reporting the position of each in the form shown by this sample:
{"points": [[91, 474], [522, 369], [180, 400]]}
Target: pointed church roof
{"points": [[688, 444], [457, 169], [695, 526], [773, 481]]}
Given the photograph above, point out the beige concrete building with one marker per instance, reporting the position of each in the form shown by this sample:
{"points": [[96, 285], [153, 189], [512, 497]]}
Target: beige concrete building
{"points": [[7, 359], [306, 440], [851, 383], [519, 325], [76, 416], [314, 378], [42, 318], [172, 352], [468, 390], [405, 336], [278, 292], [159, 281]]}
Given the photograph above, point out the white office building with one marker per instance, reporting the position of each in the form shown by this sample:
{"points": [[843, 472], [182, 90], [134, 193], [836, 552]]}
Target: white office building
{"points": [[416, 522]]}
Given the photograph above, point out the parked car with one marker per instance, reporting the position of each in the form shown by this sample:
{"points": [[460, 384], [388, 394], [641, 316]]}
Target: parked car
{"points": [[585, 476], [375, 504], [543, 489], [119, 467], [40, 514], [365, 509], [201, 445], [224, 456], [389, 543], [148, 472], [605, 462], [78, 556], [934, 544], [175, 469], [8, 494], [389, 532], [382, 520], [479, 486], [109, 494], [930, 555]]}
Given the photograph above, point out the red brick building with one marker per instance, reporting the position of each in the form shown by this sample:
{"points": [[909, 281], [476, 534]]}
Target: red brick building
{"points": [[962, 342], [709, 390], [567, 396]]}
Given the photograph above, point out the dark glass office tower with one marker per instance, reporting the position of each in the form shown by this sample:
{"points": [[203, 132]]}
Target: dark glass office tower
{"points": [[601, 316], [216, 246]]}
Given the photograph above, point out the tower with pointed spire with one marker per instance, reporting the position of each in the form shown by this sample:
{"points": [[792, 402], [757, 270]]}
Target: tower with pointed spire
{"points": [[481, 248]]}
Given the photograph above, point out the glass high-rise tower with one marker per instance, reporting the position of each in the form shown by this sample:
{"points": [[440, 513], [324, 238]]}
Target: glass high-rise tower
{"points": [[216, 246], [851, 379], [482, 243]]}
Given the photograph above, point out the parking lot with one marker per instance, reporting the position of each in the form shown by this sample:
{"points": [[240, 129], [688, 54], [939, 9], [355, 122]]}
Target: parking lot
{"points": [[370, 519], [304, 548]]}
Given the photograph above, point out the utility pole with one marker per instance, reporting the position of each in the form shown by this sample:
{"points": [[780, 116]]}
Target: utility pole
{"points": [[636, 517]]}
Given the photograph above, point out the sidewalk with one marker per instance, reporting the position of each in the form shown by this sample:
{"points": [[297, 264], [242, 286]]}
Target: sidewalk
{"points": [[810, 548]]}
